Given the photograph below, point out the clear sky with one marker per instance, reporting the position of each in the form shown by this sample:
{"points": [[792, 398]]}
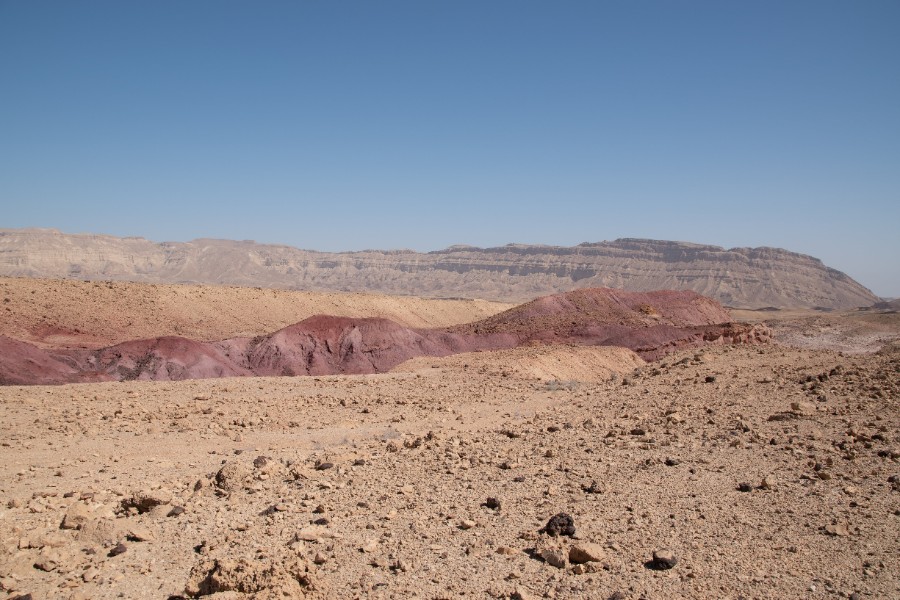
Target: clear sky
{"points": [[334, 125]]}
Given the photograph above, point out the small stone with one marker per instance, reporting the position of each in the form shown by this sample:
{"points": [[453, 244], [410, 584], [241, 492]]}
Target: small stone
{"points": [[146, 500], [675, 418], [507, 551], [54, 539], [837, 530], [767, 483], [638, 431], [323, 466], [370, 546], [139, 533], [100, 531], [801, 407], [744, 487], [313, 533], [671, 462], [586, 552], [117, 550], [76, 516], [232, 476], [90, 574], [45, 563], [178, 510], [492, 503], [467, 524], [319, 559], [710, 379], [261, 461], [663, 560], [560, 524], [520, 594], [593, 488], [554, 556], [400, 565]]}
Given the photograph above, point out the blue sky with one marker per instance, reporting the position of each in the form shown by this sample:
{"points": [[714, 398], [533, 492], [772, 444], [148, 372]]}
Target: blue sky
{"points": [[350, 125]]}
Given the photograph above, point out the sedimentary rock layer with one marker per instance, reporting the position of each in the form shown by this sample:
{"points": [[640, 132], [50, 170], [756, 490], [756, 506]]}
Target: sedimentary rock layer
{"points": [[651, 324], [739, 277]]}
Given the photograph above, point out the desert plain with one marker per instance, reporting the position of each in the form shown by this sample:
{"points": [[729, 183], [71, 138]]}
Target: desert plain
{"points": [[549, 470]]}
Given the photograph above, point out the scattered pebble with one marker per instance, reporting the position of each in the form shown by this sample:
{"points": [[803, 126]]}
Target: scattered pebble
{"points": [[663, 560]]}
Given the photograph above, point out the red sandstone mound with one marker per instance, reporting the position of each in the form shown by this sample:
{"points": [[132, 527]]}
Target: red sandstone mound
{"points": [[324, 345], [164, 359], [564, 314], [24, 364], [651, 323]]}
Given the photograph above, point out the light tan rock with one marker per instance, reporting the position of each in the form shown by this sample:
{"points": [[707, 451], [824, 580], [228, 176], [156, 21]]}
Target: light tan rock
{"points": [[583, 552], [76, 516]]}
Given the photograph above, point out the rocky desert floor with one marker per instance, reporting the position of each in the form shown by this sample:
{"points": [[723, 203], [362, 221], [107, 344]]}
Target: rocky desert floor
{"points": [[768, 471]]}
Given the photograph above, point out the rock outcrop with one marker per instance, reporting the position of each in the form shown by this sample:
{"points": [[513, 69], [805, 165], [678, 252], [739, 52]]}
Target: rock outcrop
{"points": [[739, 277], [652, 324]]}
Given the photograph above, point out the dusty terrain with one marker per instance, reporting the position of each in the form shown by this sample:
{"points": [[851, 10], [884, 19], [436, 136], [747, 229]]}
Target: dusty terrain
{"points": [[765, 471], [93, 314], [652, 324], [739, 277]]}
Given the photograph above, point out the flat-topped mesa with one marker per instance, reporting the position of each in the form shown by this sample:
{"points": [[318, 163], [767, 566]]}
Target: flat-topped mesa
{"points": [[738, 277], [652, 324]]}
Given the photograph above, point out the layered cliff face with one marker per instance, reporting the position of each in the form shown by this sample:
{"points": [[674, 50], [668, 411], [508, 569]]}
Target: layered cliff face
{"points": [[739, 277]]}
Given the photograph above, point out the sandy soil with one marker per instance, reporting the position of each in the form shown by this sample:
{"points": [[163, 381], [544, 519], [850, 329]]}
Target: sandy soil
{"points": [[59, 313], [754, 472], [565, 365]]}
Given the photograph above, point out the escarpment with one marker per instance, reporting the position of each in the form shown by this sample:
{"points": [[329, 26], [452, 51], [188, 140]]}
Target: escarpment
{"points": [[738, 277]]}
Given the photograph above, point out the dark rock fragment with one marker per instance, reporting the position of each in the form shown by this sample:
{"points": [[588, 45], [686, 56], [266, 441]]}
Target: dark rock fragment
{"points": [[593, 488], [663, 560], [560, 524]]}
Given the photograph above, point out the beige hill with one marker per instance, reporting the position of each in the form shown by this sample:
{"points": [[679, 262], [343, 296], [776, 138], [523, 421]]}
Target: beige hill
{"points": [[59, 313], [739, 277]]}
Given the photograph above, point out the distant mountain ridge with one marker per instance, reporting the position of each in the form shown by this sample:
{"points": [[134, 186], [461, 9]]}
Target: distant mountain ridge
{"points": [[739, 277]]}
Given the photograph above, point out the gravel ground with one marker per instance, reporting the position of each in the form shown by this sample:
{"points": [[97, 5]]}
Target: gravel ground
{"points": [[750, 472]]}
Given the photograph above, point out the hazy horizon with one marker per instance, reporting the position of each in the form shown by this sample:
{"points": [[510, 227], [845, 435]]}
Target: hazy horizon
{"points": [[347, 126]]}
